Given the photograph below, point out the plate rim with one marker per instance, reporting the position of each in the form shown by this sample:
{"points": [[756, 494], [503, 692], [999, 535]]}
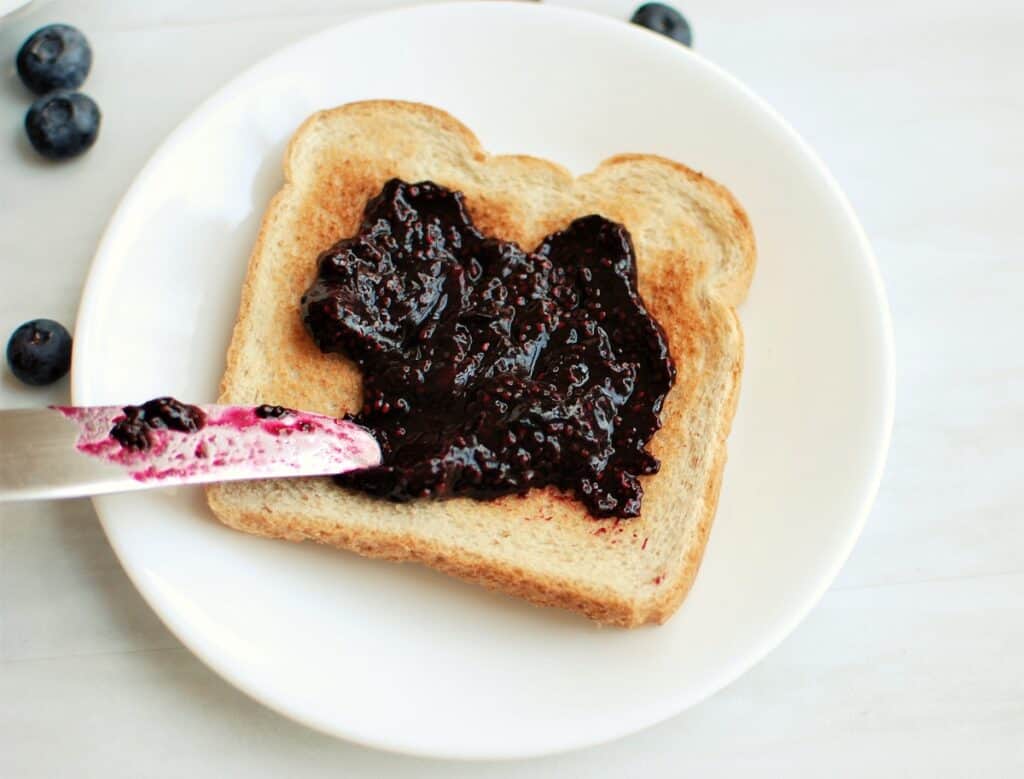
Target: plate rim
{"points": [[673, 705]]}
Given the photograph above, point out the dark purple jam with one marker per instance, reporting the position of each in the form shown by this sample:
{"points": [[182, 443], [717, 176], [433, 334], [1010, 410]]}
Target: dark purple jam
{"points": [[133, 430], [488, 370], [272, 412]]}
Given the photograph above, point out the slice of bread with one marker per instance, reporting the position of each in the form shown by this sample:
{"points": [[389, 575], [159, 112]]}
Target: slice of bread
{"points": [[695, 254]]}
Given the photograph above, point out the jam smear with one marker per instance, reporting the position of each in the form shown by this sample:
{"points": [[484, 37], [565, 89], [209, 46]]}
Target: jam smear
{"points": [[132, 431], [487, 369]]}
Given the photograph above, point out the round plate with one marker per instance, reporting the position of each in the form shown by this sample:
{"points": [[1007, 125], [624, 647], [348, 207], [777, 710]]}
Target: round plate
{"points": [[406, 659]]}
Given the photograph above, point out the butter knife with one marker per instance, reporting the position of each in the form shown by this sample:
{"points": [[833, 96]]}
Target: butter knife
{"points": [[72, 451]]}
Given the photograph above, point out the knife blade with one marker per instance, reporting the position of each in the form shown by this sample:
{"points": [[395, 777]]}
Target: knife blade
{"points": [[69, 451]]}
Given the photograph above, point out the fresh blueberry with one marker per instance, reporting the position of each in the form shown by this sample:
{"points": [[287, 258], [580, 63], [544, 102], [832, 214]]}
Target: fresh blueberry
{"points": [[39, 352], [56, 57], [665, 20], [62, 124]]}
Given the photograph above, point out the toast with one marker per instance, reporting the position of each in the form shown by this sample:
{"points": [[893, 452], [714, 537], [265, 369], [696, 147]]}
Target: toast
{"points": [[695, 257]]}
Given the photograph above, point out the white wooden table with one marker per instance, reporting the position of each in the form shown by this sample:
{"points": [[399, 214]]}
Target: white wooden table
{"points": [[912, 665]]}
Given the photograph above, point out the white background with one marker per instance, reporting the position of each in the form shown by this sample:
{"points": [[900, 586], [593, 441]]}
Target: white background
{"points": [[913, 663]]}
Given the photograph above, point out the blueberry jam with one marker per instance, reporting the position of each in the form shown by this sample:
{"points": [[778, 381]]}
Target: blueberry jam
{"points": [[272, 412], [488, 370], [133, 430]]}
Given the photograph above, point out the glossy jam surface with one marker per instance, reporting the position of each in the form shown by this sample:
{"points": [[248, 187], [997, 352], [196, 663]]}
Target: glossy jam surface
{"points": [[487, 369], [134, 431], [272, 412]]}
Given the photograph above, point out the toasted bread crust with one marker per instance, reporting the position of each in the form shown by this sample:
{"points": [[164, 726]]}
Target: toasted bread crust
{"points": [[695, 252]]}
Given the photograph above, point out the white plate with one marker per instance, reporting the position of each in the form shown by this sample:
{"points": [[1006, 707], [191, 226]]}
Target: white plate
{"points": [[405, 659]]}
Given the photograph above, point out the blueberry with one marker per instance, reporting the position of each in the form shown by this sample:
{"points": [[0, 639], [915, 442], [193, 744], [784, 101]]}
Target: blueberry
{"points": [[665, 20], [39, 352], [62, 124], [56, 57]]}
